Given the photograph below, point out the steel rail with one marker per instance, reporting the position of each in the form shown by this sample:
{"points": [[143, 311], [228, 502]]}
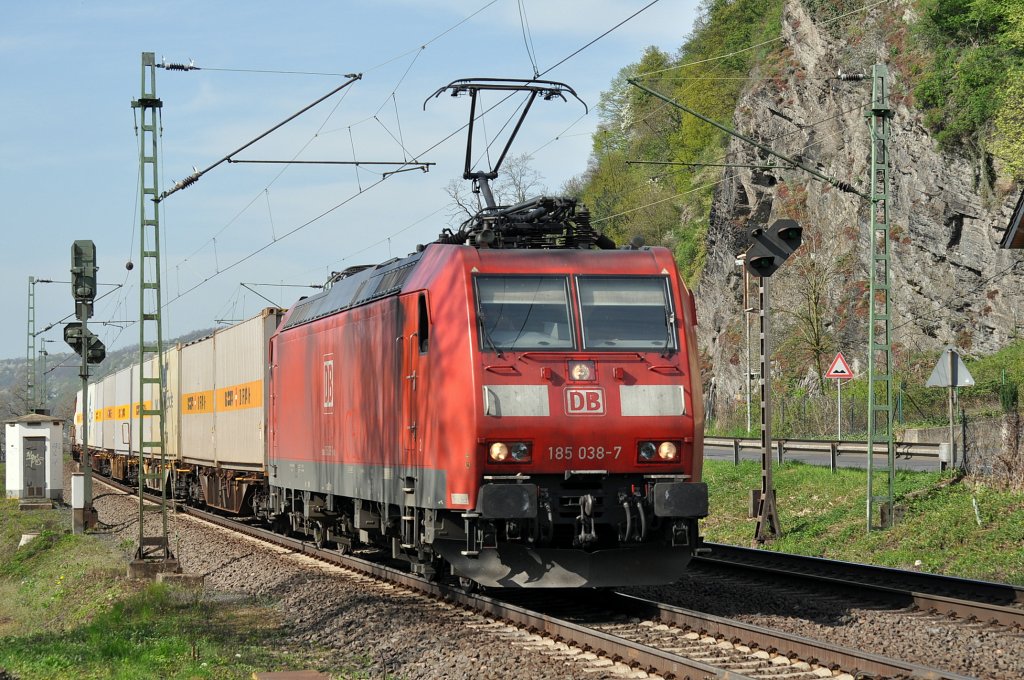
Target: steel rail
{"points": [[603, 643], [606, 644], [617, 648], [985, 601], [793, 646]]}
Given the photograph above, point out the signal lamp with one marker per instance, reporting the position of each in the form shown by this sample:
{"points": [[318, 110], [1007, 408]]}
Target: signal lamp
{"points": [[653, 452], [514, 452], [498, 452], [668, 451], [582, 370], [646, 450]]}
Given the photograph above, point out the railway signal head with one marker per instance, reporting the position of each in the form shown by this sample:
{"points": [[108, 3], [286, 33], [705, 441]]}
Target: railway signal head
{"points": [[83, 340], [83, 276], [769, 248]]}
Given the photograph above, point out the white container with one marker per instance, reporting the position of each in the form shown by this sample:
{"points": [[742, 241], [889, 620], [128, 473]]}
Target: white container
{"points": [[95, 424], [108, 388], [242, 368], [76, 432], [195, 398], [172, 416], [125, 395]]}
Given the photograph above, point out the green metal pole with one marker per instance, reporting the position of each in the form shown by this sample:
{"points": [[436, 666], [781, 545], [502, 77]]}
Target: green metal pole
{"points": [[30, 351], [880, 366], [151, 440]]}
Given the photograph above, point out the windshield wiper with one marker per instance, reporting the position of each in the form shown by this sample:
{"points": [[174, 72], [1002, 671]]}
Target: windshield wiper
{"points": [[487, 336], [670, 322]]}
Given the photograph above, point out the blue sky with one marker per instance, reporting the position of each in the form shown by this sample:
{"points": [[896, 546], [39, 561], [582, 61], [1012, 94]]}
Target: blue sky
{"points": [[69, 154]]}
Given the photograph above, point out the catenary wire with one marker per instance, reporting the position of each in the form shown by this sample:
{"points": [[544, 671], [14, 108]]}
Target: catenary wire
{"points": [[378, 182]]}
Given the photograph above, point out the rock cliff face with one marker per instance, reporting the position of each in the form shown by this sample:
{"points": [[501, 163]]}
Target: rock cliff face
{"points": [[951, 284]]}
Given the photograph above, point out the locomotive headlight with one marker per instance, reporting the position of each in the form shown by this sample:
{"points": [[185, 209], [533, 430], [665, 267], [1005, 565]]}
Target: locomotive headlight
{"points": [[512, 452], [647, 450], [498, 452], [520, 452], [668, 451], [582, 370]]}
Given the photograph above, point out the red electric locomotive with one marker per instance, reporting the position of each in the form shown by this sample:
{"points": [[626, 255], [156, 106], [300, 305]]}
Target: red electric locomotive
{"points": [[524, 417], [518, 403]]}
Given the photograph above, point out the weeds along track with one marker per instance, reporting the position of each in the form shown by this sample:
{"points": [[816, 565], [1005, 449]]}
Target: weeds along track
{"points": [[586, 633]]}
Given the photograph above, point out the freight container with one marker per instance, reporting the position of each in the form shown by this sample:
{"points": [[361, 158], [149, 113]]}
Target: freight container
{"points": [[125, 388], [172, 416], [242, 378], [196, 389]]}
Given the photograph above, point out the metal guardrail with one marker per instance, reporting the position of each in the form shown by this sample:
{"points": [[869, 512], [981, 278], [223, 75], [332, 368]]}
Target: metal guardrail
{"points": [[832, 448]]}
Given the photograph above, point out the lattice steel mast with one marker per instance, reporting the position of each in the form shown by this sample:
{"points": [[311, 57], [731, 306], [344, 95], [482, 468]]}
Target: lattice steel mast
{"points": [[30, 351], [879, 319], [152, 460]]}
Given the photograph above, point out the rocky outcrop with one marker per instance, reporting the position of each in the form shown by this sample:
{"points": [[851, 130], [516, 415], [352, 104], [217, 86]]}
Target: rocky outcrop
{"points": [[951, 284]]}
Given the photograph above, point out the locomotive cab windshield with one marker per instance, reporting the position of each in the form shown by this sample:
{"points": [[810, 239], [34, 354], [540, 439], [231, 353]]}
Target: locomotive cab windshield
{"points": [[523, 313], [617, 313]]}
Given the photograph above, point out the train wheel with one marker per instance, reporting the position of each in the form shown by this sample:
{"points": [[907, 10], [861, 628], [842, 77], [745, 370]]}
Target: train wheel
{"points": [[319, 535], [468, 585]]}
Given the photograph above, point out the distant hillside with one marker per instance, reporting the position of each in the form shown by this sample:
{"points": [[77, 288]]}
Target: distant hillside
{"points": [[62, 381]]}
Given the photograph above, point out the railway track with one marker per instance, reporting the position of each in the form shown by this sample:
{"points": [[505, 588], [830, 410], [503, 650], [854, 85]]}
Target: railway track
{"points": [[981, 601], [645, 635]]}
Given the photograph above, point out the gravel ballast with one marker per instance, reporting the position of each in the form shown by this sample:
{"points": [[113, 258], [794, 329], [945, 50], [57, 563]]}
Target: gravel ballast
{"points": [[353, 621]]}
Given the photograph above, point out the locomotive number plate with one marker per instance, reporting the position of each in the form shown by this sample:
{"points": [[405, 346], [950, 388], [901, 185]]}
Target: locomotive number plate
{"points": [[584, 452]]}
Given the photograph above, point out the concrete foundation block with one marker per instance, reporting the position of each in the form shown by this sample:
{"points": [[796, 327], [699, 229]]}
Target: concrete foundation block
{"points": [[192, 581], [149, 569], [35, 504]]}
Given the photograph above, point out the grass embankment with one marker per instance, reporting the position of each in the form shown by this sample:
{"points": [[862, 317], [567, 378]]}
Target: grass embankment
{"points": [[67, 611], [823, 514]]}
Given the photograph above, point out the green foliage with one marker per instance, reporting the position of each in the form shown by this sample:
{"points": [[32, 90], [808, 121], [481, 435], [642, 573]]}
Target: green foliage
{"points": [[822, 514], [1008, 398], [68, 612], [975, 47], [1007, 143], [156, 633], [665, 204], [990, 372]]}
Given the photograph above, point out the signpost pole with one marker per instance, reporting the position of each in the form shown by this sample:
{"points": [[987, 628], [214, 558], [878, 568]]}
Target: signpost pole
{"points": [[839, 369], [950, 372], [839, 409], [952, 436], [767, 512]]}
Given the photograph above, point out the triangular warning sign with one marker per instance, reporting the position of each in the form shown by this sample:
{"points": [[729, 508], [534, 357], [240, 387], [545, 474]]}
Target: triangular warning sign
{"points": [[839, 368], [950, 371]]}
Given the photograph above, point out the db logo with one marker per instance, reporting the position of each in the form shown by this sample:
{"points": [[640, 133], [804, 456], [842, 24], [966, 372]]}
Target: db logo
{"points": [[588, 402], [328, 383]]}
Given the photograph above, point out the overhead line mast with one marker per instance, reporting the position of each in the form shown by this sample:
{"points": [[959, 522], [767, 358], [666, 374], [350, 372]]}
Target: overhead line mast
{"points": [[880, 364], [153, 553], [30, 351]]}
